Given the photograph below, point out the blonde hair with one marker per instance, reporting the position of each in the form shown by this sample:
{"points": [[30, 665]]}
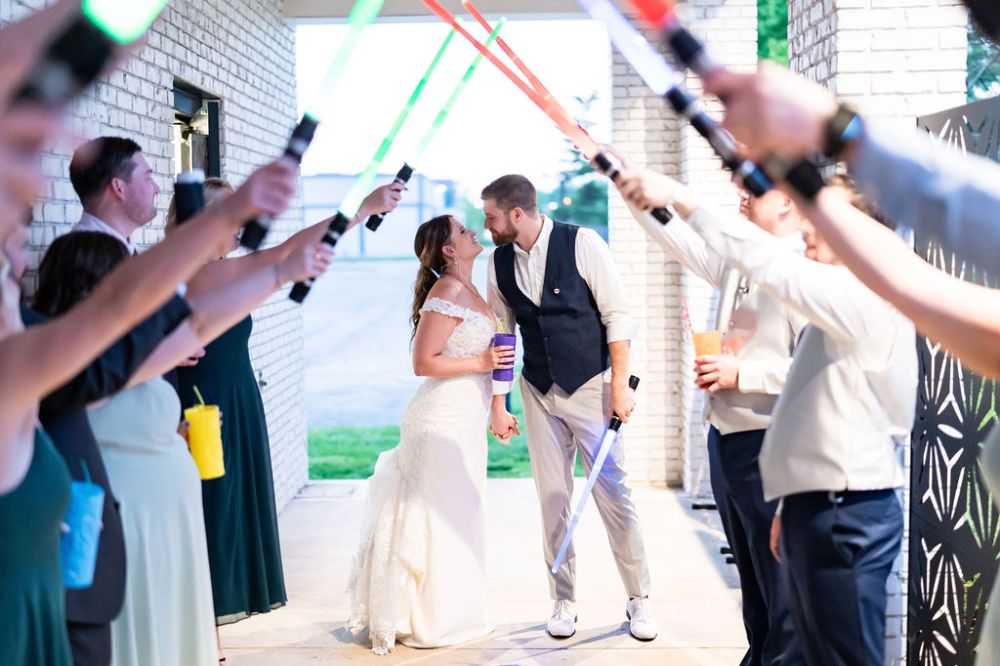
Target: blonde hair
{"points": [[214, 188]]}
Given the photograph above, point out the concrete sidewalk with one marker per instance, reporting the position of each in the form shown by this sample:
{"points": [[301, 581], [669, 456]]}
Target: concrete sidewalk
{"points": [[696, 597]]}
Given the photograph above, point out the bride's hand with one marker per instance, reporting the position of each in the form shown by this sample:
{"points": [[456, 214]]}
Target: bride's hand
{"points": [[497, 358], [503, 426]]}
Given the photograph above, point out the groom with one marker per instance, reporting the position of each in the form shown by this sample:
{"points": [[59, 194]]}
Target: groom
{"points": [[558, 282]]}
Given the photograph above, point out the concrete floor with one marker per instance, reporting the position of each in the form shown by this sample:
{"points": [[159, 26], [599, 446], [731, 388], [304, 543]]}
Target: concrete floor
{"points": [[695, 595]]}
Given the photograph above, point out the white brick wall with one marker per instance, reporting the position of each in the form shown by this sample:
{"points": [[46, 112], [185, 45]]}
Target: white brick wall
{"points": [[667, 437], [243, 52], [893, 59]]}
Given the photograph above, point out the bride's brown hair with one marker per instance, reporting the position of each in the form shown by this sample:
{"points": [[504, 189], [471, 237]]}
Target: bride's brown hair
{"points": [[429, 243]]}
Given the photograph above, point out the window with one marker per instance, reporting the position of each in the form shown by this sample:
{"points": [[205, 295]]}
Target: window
{"points": [[196, 130]]}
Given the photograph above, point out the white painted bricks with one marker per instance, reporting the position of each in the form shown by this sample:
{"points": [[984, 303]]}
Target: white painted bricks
{"points": [[243, 52]]}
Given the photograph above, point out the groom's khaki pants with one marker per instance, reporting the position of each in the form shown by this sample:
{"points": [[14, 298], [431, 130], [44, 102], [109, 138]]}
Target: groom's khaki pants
{"points": [[560, 425]]}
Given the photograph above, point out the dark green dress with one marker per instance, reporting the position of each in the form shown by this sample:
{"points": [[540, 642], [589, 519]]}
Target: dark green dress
{"points": [[32, 599], [241, 522]]}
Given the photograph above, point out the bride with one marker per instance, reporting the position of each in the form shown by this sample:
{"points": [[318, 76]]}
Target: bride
{"points": [[419, 575]]}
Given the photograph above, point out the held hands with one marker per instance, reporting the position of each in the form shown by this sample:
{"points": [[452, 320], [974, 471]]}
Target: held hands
{"points": [[267, 191], [716, 372], [622, 401], [773, 111], [503, 425], [306, 261], [497, 358]]}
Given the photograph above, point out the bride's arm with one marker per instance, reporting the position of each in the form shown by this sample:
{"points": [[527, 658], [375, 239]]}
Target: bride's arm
{"points": [[433, 332]]}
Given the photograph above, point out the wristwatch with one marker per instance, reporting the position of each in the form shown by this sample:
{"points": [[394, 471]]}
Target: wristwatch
{"points": [[840, 130]]}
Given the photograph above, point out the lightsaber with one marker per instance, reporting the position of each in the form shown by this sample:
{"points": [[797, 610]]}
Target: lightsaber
{"points": [[406, 171], [801, 175], [542, 98], [404, 174], [667, 83], [80, 53], [363, 13], [610, 435]]}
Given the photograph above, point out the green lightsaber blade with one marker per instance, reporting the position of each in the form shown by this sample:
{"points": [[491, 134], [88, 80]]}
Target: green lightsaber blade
{"points": [[363, 13], [390, 136], [443, 113], [123, 20]]}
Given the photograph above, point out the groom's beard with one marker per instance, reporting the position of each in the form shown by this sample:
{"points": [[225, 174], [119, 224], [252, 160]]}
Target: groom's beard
{"points": [[504, 237]]}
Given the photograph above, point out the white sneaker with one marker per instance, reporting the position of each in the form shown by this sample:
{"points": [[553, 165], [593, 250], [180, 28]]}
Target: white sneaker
{"points": [[641, 624], [562, 624]]}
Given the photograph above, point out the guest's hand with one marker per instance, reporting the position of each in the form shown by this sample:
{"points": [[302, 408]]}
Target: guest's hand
{"points": [[184, 429], [307, 262], [382, 200], [775, 540], [192, 360], [267, 191], [497, 358], [503, 425], [622, 401], [773, 111], [713, 373]]}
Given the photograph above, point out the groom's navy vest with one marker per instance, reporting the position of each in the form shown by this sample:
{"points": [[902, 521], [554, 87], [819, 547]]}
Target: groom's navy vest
{"points": [[564, 340]]}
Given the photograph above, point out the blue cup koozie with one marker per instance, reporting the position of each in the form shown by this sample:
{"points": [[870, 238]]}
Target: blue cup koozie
{"points": [[504, 340], [78, 546]]}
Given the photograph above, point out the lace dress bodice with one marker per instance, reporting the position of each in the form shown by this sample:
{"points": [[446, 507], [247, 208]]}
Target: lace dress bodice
{"points": [[470, 338]]}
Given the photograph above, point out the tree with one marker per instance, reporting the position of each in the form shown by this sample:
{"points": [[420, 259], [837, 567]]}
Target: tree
{"points": [[982, 66], [582, 195], [772, 31]]}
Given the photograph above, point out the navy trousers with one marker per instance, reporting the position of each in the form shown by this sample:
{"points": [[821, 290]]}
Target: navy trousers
{"points": [[839, 549], [746, 519]]}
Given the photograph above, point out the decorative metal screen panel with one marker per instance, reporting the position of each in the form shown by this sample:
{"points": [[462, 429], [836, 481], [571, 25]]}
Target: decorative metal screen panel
{"points": [[954, 526]]}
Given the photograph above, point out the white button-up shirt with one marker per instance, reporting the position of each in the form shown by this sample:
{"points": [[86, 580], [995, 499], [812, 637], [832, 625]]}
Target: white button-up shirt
{"points": [[759, 329], [596, 267], [90, 223], [849, 400]]}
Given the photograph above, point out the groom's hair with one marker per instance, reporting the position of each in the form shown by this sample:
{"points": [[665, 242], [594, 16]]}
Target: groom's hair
{"points": [[512, 191]]}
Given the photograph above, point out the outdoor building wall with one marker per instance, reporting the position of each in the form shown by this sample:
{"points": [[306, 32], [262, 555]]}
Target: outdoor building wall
{"points": [[666, 440], [242, 51]]}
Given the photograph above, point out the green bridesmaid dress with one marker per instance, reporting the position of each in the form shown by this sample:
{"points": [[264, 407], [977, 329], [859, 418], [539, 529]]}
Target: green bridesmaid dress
{"points": [[32, 599], [241, 522]]}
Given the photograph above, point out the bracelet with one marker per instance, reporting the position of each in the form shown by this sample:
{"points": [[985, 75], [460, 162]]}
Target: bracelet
{"points": [[840, 130]]}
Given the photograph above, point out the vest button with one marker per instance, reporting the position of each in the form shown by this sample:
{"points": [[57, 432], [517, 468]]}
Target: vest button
{"points": [[556, 290]]}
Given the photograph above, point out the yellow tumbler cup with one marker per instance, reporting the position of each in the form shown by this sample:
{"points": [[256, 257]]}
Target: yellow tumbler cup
{"points": [[205, 440]]}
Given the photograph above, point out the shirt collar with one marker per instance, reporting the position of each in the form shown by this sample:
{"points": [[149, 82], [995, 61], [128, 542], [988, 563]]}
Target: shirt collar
{"points": [[89, 222], [541, 245]]}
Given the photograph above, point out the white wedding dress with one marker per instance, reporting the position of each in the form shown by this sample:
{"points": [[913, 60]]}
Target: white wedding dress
{"points": [[420, 573]]}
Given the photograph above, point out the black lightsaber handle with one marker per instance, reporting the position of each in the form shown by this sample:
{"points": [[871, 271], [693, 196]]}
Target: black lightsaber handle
{"points": [[607, 167], [749, 175], [70, 64], [402, 177], [189, 195], [338, 225], [255, 231], [616, 423], [804, 176]]}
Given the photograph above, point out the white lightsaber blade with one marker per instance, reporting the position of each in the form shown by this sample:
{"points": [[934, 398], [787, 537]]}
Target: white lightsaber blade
{"points": [[610, 435], [649, 64]]}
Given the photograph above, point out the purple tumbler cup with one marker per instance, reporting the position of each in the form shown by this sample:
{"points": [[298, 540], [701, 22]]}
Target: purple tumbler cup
{"points": [[504, 340]]}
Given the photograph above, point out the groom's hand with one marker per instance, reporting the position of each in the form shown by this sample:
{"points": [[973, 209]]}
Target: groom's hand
{"points": [[622, 401], [503, 425]]}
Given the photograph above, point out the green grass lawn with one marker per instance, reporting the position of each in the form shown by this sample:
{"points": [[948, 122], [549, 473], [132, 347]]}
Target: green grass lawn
{"points": [[350, 453]]}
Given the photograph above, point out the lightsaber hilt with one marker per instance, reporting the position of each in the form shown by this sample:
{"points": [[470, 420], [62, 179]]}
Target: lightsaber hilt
{"points": [[607, 167], [804, 176], [70, 64], [256, 230], [614, 425], [338, 225], [402, 177], [748, 174]]}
